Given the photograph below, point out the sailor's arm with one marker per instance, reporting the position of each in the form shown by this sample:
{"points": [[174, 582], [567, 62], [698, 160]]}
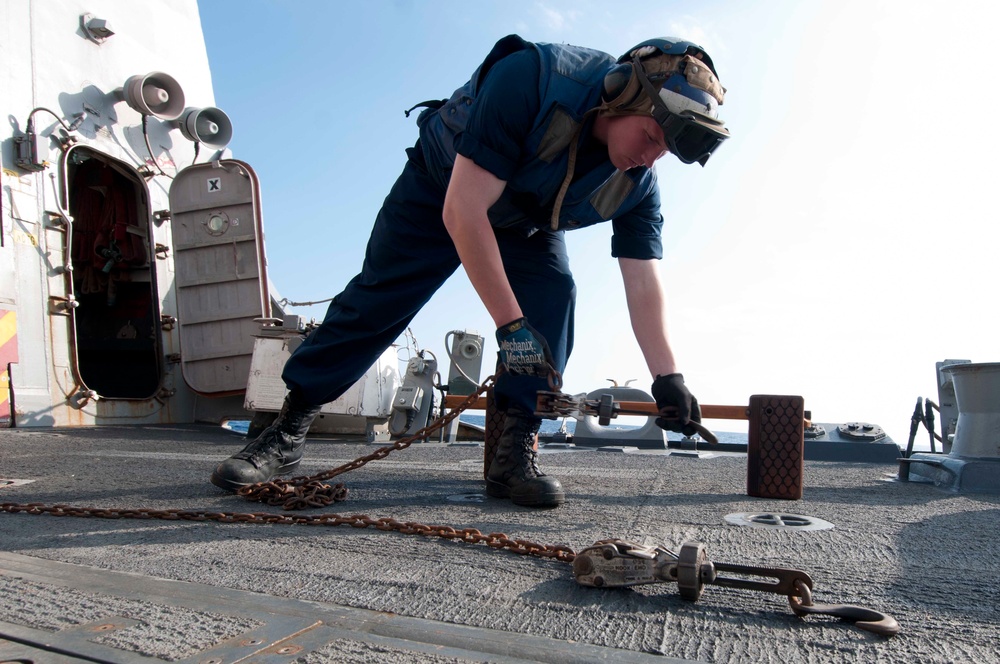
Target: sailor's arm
{"points": [[471, 192], [647, 311]]}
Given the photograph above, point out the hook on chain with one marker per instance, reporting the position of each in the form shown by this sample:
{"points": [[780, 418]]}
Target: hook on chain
{"points": [[864, 618]]}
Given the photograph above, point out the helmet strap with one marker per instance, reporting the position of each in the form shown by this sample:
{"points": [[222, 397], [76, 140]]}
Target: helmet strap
{"points": [[630, 101]]}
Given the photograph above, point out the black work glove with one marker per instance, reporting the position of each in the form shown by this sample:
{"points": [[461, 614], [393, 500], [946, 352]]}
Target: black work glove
{"points": [[523, 350], [670, 391]]}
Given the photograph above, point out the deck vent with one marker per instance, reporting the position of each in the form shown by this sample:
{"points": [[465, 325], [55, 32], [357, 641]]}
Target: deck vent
{"points": [[776, 521]]}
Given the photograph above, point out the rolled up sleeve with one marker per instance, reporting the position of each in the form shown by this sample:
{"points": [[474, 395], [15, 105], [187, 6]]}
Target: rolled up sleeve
{"points": [[502, 115], [637, 233]]}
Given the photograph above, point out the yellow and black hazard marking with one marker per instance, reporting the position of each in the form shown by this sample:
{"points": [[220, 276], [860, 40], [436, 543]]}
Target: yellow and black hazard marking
{"points": [[8, 356]]}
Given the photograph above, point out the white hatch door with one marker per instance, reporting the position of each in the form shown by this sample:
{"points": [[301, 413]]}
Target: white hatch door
{"points": [[220, 272]]}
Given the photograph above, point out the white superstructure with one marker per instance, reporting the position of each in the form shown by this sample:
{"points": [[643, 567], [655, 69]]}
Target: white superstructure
{"points": [[133, 278]]}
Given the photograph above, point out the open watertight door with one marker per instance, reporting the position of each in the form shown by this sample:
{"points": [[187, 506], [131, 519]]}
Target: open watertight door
{"points": [[220, 272], [117, 349]]}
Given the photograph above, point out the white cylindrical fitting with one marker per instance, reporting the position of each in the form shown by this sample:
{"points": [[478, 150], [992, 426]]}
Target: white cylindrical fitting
{"points": [[977, 393]]}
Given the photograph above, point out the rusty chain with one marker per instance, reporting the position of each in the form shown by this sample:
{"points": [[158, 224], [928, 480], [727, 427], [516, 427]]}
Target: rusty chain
{"points": [[305, 491], [311, 491], [468, 535]]}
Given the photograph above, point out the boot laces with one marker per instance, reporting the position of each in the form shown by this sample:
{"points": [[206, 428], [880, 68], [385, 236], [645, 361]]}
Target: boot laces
{"points": [[267, 445], [530, 455]]}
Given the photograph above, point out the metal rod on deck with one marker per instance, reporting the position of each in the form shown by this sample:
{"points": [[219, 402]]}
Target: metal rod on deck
{"points": [[708, 412]]}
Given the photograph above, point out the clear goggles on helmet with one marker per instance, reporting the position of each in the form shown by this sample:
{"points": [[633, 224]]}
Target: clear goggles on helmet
{"points": [[691, 135]]}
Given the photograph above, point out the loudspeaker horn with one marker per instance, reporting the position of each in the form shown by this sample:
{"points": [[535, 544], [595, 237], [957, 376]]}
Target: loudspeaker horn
{"points": [[155, 94], [209, 125]]}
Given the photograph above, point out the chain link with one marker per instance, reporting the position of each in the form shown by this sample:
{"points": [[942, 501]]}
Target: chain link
{"points": [[311, 491], [467, 535]]}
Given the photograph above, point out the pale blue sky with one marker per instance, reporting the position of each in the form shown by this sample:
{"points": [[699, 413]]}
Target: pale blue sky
{"points": [[836, 247]]}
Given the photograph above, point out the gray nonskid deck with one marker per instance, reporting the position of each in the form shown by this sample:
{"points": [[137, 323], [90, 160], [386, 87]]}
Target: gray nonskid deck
{"points": [[919, 554], [121, 617]]}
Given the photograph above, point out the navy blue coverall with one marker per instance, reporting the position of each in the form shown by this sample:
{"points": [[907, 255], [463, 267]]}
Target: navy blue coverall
{"points": [[515, 118]]}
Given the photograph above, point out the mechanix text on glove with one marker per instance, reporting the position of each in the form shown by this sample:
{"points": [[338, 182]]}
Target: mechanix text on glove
{"points": [[523, 350]]}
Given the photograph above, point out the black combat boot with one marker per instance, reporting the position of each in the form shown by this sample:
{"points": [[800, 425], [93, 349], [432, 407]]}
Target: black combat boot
{"points": [[276, 451], [514, 472]]}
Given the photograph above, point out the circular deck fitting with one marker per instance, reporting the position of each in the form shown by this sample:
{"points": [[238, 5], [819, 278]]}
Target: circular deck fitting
{"points": [[777, 521], [468, 498], [861, 431], [5, 482]]}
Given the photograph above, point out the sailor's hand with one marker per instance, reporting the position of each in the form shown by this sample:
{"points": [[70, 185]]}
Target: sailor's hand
{"points": [[676, 405], [523, 351]]}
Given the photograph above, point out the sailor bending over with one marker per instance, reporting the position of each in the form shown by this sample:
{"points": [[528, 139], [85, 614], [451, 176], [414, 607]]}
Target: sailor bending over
{"points": [[543, 139]]}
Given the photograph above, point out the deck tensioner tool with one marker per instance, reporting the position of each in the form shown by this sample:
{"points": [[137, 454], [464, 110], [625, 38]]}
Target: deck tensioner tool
{"points": [[617, 563]]}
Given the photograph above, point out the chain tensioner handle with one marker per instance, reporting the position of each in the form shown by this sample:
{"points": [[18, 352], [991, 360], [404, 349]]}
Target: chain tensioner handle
{"points": [[618, 563], [557, 404]]}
